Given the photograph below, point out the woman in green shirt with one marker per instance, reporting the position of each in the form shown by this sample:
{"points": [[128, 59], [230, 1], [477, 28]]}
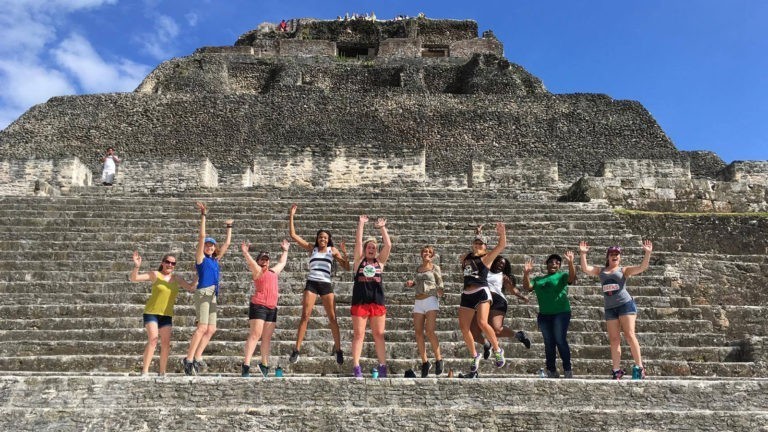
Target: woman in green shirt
{"points": [[554, 309]]}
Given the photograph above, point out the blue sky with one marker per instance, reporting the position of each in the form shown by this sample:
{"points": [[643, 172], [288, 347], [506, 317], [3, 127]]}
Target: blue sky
{"points": [[699, 66]]}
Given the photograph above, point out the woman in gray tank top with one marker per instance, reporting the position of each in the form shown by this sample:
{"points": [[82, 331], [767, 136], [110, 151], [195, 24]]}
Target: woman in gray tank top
{"points": [[620, 308]]}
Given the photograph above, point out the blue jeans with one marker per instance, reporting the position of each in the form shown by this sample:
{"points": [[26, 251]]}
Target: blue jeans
{"points": [[554, 329]]}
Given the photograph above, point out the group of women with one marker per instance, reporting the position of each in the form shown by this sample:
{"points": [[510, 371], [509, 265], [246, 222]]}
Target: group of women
{"points": [[483, 305]]}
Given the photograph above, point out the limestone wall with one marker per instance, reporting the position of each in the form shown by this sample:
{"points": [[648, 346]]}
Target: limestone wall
{"points": [[24, 176], [167, 175], [668, 186]]}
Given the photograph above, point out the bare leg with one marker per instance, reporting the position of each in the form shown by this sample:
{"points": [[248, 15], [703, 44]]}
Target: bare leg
{"points": [[329, 303], [377, 329], [466, 316], [256, 327], [431, 326], [614, 337], [197, 336], [307, 304], [418, 327], [165, 347], [481, 317], [358, 335], [627, 323], [209, 331], [149, 348], [266, 342]]}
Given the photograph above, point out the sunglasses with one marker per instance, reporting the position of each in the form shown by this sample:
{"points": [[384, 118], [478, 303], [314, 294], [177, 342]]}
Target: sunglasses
{"points": [[170, 263]]}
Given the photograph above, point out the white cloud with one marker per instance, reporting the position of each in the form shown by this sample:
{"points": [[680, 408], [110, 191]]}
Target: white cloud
{"points": [[28, 84], [158, 44], [192, 19], [94, 75]]}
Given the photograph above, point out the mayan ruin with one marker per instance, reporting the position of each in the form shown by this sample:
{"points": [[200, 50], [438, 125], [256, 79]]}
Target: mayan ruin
{"points": [[412, 131]]}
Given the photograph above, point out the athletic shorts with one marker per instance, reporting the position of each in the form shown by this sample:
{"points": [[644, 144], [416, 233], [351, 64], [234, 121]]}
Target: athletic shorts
{"points": [[471, 301], [319, 288], [425, 305], [368, 310], [161, 320], [499, 303], [262, 312], [628, 308], [205, 305]]}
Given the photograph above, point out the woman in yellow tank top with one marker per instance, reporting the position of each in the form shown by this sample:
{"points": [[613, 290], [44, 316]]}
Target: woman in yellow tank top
{"points": [[158, 312]]}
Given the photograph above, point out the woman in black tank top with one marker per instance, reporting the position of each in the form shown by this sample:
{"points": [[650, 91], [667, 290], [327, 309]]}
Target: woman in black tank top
{"points": [[476, 298]]}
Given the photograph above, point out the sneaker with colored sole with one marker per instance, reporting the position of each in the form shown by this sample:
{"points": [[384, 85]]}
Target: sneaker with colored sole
{"points": [[245, 371], [425, 367], [499, 356], [294, 356], [474, 363], [617, 374], [357, 371], [439, 367], [382, 371], [264, 370], [523, 339], [486, 350]]}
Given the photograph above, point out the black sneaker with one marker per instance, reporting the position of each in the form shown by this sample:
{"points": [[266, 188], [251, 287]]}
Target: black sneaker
{"points": [[246, 371], [469, 375], [486, 350], [197, 366], [189, 368], [438, 367], [617, 374], [523, 338], [339, 357], [553, 374], [264, 370], [294, 356], [425, 367]]}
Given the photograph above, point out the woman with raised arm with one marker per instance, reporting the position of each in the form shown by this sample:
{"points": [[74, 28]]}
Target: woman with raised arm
{"points": [[554, 309], [207, 259], [428, 287], [620, 307], [262, 310], [368, 294], [500, 281], [321, 257], [158, 312], [476, 298]]}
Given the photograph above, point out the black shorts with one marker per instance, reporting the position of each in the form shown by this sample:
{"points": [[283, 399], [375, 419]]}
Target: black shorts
{"points": [[471, 301], [319, 288], [499, 303], [262, 312]]}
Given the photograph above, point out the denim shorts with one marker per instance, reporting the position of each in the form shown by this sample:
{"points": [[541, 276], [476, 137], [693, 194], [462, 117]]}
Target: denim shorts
{"points": [[628, 308], [161, 320]]}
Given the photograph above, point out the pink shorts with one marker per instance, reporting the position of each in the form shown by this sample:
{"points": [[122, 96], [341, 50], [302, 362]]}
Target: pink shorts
{"points": [[368, 310]]}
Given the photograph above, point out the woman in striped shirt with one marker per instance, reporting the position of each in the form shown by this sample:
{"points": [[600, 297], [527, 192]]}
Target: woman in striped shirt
{"points": [[321, 257], [262, 311]]}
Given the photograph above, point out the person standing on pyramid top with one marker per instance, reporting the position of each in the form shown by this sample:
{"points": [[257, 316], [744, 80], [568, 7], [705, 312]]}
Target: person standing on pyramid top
{"points": [[207, 259], [368, 294], [321, 259]]}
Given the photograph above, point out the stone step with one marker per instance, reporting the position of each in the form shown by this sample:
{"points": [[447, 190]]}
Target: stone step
{"points": [[396, 350], [129, 403], [182, 334], [327, 365], [36, 292], [288, 300], [318, 321], [447, 311]]}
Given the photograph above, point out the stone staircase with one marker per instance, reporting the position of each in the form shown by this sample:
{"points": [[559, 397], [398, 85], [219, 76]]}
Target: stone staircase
{"points": [[68, 305], [71, 335]]}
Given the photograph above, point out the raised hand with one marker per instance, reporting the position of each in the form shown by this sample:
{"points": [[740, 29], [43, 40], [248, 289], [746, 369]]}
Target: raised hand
{"points": [[293, 209], [285, 245], [200, 206], [409, 283], [500, 228], [229, 221], [528, 266], [137, 258], [569, 255], [363, 218], [583, 247], [479, 229], [245, 247], [380, 223], [343, 247], [647, 246]]}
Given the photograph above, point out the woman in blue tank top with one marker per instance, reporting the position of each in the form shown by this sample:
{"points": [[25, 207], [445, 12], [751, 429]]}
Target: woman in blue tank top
{"points": [[620, 308], [207, 258]]}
